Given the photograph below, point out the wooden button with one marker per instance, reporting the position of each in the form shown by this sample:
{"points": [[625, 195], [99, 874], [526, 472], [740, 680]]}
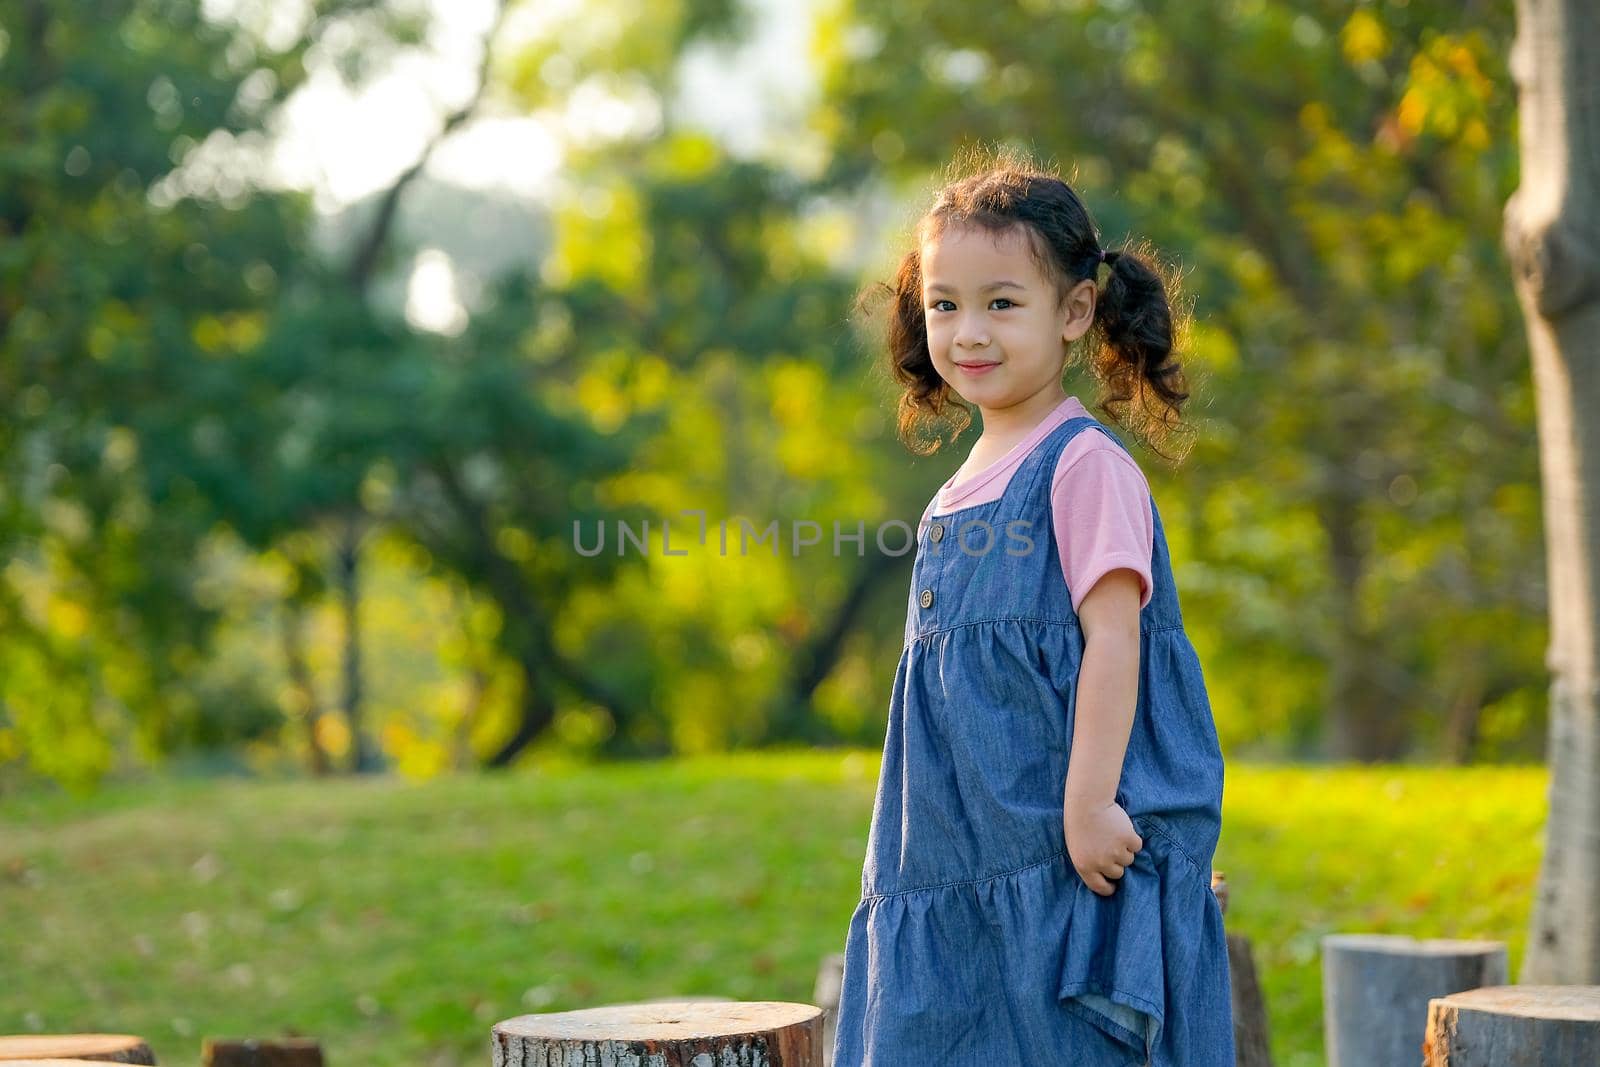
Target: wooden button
{"points": [[927, 598]]}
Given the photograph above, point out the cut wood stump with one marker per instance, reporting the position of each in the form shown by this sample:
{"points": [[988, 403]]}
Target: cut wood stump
{"points": [[277, 1052], [1250, 1045], [1376, 989], [1514, 1026], [830, 983], [113, 1048], [50, 1063], [666, 1033]]}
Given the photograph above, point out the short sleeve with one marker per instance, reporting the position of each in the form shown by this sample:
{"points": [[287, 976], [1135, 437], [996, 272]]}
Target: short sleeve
{"points": [[1100, 503]]}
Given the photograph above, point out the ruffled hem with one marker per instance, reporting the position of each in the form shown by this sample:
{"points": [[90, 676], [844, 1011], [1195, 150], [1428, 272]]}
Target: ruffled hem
{"points": [[1123, 965], [1065, 968]]}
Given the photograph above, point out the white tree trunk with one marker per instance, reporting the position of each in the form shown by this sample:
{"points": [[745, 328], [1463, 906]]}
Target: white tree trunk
{"points": [[1552, 235]]}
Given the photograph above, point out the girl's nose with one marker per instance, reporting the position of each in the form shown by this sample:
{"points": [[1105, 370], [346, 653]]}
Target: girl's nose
{"points": [[970, 334]]}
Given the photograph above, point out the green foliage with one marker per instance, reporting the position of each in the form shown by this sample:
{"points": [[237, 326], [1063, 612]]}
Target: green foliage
{"points": [[428, 912], [1356, 534], [1331, 179]]}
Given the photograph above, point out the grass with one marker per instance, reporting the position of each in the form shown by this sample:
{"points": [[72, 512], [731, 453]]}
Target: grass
{"points": [[397, 921]]}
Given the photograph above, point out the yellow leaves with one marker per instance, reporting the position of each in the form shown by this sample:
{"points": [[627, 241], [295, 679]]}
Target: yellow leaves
{"points": [[1364, 38], [1216, 348], [415, 756], [1447, 93], [67, 619], [601, 235], [515, 543], [600, 392], [798, 402], [333, 735], [687, 156], [229, 333]]}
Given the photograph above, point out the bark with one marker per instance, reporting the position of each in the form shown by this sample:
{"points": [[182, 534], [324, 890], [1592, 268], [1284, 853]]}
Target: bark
{"points": [[1363, 718], [1552, 237], [672, 1033], [1513, 1026], [348, 578], [308, 706]]}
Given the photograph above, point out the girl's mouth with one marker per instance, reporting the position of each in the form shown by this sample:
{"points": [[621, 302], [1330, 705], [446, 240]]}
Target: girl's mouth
{"points": [[977, 368]]}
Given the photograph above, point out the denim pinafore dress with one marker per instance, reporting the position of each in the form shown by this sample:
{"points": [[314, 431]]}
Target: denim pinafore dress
{"points": [[975, 940]]}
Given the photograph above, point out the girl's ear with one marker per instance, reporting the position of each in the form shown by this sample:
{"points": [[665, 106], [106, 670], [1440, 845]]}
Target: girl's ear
{"points": [[1078, 314]]}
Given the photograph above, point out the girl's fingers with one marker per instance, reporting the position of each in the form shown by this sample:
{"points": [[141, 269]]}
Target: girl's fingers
{"points": [[1113, 871]]}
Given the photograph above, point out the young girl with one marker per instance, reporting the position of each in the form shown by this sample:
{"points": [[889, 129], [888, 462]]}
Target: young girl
{"points": [[1037, 885]]}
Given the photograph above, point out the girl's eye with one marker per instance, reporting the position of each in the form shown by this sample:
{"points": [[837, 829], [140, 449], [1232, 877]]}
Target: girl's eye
{"points": [[1001, 299]]}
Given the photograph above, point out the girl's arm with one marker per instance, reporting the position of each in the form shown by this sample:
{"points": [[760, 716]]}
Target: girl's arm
{"points": [[1100, 836], [1108, 686]]}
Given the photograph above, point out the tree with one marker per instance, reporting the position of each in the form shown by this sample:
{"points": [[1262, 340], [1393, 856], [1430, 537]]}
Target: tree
{"points": [[1326, 178], [1552, 233]]}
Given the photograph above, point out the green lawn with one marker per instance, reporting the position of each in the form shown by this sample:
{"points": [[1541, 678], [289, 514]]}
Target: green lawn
{"points": [[398, 921]]}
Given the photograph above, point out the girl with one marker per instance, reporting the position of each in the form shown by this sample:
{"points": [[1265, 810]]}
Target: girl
{"points": [[1037, 883]]}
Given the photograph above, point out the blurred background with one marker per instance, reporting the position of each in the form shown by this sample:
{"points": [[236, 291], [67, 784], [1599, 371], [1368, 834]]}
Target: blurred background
{"points": [[323, 323]]}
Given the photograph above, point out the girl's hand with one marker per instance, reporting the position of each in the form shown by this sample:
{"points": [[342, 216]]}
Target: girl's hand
{"points": [[1101, 842]]}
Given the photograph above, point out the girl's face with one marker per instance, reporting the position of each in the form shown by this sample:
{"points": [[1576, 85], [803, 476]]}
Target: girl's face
{"points": [[994, 331]]}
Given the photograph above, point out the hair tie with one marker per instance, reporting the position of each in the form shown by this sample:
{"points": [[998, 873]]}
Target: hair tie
{"points": [[1108, 257]]}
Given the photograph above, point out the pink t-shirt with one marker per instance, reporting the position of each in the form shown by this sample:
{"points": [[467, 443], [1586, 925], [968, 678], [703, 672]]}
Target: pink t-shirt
{"points": [[1099, 499]]}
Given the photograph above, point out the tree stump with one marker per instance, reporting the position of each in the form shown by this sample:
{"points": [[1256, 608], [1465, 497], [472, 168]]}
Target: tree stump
{"points": [[1376, 989], [280, 1052], [113, 1048], [674, 1033], [1514, 1026], [830, 983]]}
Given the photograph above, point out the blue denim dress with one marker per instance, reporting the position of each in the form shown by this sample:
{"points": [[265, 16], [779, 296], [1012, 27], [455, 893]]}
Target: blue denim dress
{"points": [[975, 940]]}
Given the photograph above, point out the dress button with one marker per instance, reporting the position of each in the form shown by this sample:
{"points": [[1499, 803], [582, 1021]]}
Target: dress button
{"points": [[927, 598], [938, 535]]}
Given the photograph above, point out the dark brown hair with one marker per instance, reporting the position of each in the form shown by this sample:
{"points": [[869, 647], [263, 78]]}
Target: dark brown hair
{"points": [[1137, 323]]}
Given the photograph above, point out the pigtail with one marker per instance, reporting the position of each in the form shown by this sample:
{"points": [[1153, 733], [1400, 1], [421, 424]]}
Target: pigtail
{"points": [[1139, 329]]}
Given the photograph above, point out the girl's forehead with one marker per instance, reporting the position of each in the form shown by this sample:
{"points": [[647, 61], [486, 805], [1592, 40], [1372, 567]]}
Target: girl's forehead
{"points": [[969, 248]]}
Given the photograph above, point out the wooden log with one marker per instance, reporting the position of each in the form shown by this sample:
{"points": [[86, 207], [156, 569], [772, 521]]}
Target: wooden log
{"points": [[682, 1033], [1514, 1026], [1376, 989], [112, 1048], [277, 1052], [825, 994], [49, 1063], [1251, 1047]]}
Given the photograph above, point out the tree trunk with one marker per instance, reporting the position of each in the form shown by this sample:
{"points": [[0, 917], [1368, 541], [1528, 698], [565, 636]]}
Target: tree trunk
{"points": [[308, 707], [1552, 237], [1362, 721], [348, 577], [536, 711]]}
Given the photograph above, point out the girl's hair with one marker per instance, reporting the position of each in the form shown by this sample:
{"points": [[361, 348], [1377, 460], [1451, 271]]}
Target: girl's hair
{"points": [[1137, 323]]}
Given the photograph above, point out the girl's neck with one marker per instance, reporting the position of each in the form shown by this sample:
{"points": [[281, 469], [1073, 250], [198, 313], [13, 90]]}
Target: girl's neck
{"points": [[1006, 426]]}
